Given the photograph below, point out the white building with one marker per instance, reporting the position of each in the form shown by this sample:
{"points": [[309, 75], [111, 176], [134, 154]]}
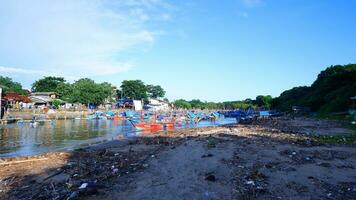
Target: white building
{"points": [[158, 105]]}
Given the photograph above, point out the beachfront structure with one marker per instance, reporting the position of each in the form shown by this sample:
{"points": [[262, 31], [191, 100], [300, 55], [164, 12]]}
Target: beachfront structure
{"points": [[158, 105], [17, 101], [52, 95], [43, 98]]}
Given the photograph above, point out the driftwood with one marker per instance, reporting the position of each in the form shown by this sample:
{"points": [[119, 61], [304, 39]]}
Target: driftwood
{"points": [[22, 161], [53, 175]]}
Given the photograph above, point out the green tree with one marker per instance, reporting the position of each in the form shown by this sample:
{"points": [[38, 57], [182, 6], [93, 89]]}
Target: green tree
{"points": [[181, 103], [293, 97], [330, 92], [8, 85], [211, 105], [197, 104], [65, 91], [108, 91], [264, 101], [87, 91], [134, 89], [56, 103], [155, 91], [47, 84]]}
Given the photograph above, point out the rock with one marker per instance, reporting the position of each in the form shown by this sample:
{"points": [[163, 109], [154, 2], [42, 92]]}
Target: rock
{"points": [[88, 188], [269, 166], [210, 177], [207, 155]]}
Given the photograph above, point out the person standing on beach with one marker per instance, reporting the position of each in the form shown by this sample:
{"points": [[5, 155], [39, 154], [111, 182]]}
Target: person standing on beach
{"points": [[3, 106]]}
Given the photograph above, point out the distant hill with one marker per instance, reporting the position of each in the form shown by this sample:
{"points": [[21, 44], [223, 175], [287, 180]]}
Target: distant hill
{"points": [[330, 92]]}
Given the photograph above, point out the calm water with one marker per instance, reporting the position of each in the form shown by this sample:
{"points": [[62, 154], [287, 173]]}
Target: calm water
{"points": [[22, 139]]}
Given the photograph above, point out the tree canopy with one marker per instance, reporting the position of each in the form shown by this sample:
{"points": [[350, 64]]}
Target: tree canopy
{"points": [[155, 91], [181, 103], [87, 91], [82, 91], [47, 84], [230, 105], [264, 101], [330, 92], [134, 89], [8, 85], [65, 91]]}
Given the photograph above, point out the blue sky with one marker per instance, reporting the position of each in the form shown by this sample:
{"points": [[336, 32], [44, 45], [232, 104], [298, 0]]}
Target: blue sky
{"points": [[207, 49]]}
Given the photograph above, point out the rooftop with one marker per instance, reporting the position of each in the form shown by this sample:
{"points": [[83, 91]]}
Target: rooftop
{"points": [[13, 96]]}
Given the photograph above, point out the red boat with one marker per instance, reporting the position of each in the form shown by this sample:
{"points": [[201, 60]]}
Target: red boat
{"points": [[149, 126]]}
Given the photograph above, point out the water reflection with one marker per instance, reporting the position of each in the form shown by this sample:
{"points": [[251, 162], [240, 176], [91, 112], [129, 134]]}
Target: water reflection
{"points": [[23, 139]]}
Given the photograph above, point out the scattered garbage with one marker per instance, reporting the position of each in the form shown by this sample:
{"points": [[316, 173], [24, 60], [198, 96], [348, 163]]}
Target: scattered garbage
{"points": [[87, 172], [92, 172], [73, 195], [83, 186], [250, 183], [89, 188]]}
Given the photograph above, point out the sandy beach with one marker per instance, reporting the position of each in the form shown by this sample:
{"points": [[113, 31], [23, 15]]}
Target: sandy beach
{"points": [[257, 161]]}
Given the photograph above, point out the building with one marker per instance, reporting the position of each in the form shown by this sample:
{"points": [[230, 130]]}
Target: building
{"points": [[300, 110], [52, 95], [157, 105], [17, 101], [43, 98]]}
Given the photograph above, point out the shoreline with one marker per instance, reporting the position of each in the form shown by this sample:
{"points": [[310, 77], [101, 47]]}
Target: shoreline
{"points": [[259, 126], [228, 162]]}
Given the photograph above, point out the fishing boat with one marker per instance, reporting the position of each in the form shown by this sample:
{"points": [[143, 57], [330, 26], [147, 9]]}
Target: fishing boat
{"points": [[101, 115]]}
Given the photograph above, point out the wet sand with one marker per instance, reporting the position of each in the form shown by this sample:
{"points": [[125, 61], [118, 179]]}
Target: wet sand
{"points": [[235, 162]]}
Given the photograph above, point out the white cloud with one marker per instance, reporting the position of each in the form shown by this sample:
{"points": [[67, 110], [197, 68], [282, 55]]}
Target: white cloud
{"points": [[75, 37], [17, 70]]}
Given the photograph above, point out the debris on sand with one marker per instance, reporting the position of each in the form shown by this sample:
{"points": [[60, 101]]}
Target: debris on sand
{"points": [[207, 155], [85, 173], [210, 177], [259, 164]]}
